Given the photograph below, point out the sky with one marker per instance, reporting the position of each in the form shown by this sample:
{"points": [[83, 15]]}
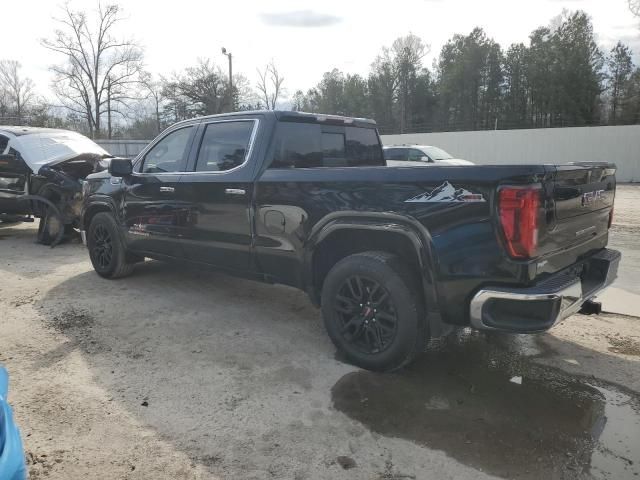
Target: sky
{"points": [[304, 38]]}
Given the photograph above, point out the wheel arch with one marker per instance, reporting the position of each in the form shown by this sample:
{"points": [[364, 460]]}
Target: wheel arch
{"points": [[345, 235], [93, 209]]}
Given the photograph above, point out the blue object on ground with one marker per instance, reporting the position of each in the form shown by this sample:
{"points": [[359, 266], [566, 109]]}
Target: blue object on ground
{"points": [[12, 466]]}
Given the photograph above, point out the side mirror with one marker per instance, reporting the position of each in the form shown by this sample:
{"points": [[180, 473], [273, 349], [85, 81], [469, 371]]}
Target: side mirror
{"points": [[120, 167], [424, 158]]}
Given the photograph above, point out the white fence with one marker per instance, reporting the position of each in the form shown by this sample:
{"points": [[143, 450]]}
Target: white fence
{"points": [[123, 148], [619, 144]]}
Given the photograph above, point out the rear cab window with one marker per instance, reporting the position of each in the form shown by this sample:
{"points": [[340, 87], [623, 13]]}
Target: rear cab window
{"points": [[311, 145]]}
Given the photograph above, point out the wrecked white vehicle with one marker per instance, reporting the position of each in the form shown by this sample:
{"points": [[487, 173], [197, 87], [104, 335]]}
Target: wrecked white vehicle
{"points": [[41, 175]]}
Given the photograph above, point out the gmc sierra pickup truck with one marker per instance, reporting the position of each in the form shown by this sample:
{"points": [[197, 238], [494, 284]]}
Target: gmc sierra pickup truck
{"points": [[392, 255]]}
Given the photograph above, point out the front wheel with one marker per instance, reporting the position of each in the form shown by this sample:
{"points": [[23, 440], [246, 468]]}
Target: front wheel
{"points": [[372, 310], [106, 250]]}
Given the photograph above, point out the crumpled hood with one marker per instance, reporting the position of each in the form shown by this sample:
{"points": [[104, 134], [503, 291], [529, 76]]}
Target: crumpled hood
{"points": [[50, 148]]}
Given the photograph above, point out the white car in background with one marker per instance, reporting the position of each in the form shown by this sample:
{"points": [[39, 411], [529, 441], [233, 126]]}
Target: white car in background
{"points": [[419, 155]]}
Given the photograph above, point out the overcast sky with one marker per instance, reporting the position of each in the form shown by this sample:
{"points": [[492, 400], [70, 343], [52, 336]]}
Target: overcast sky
{"points": [[304, 38]]}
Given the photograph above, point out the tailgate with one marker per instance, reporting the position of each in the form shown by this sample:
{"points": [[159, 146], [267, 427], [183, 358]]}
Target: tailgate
{"points": [[583, 189], [578, 209]]}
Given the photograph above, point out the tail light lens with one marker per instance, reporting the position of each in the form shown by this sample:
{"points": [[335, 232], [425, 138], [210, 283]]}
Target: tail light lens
{"points": [[518, 211]]}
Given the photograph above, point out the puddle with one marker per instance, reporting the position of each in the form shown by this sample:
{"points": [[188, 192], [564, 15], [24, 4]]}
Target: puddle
{"points": [[487, 406]]}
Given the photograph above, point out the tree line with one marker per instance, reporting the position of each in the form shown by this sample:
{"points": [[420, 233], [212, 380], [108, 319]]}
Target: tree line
{"points": [[560, 77]]}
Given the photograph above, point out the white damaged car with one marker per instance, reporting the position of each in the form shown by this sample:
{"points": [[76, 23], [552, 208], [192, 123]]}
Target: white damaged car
{"points": [[41, 176]]}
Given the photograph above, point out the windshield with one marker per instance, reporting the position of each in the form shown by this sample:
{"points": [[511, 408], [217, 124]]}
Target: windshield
{"points": [[436, 153]]}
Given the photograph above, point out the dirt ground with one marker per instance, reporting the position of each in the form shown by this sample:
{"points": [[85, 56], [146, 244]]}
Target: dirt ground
{"points": [[177, 374]]}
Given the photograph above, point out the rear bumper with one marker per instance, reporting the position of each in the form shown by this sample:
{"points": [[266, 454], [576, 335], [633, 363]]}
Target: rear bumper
{"points": [[538, 308]]}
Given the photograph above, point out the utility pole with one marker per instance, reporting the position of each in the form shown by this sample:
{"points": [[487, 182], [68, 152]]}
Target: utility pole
{"points": [[230, 57]]}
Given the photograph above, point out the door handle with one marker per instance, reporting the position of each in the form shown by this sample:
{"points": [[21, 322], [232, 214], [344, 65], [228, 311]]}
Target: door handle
{"points": [[235, 191], [167, 189]]}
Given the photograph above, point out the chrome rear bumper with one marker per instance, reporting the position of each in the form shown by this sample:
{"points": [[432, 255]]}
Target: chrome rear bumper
{"points": [[538, 308]]}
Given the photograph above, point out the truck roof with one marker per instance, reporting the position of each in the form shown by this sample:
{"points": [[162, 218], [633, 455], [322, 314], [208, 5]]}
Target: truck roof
{"points": [[291, 116]]}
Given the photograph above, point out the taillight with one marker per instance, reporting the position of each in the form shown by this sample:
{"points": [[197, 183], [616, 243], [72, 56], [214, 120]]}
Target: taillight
{"points": [[518, 211]]}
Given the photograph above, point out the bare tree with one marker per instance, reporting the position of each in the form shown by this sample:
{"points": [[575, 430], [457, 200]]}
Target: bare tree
{"points": [[17, 90], [270, 85], [99, 70], [155, 93], [393, 77], [634, 6], [4, 101], [407, 53]]}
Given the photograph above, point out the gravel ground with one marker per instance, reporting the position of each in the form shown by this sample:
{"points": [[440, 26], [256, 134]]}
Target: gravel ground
{"points": [[178, 374]]}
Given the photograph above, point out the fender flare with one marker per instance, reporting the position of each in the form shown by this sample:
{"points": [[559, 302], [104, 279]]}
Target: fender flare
{"points": [[100, 204], [410, 228]]}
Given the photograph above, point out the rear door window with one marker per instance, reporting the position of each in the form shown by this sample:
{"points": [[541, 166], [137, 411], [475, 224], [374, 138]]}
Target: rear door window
{"points": [[224, 146], [310, 145]]}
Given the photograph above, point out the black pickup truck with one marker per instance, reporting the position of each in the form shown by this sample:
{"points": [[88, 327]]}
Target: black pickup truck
{"points": [[393, 255]]}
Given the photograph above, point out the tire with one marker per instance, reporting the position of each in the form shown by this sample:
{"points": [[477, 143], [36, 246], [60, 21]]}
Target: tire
{"points": [[359, 288], [106, 250], [48, 227]]}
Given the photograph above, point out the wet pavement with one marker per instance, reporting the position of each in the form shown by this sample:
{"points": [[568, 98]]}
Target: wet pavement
{"points": [[484, 401]]}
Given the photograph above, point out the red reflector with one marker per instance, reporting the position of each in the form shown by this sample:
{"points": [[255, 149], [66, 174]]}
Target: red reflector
{"points": [[518, 210]]}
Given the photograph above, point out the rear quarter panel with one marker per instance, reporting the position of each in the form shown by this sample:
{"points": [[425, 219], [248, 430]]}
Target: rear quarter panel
{"points": [[293, 205]]}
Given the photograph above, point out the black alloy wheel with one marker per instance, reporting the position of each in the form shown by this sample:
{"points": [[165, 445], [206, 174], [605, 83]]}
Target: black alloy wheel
{"points": [[107, 251], [102, 246], [368, 316], [373, 310]]}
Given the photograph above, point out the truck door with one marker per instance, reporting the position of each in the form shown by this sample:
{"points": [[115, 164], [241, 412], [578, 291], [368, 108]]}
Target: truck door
{"points": [[154, 212], [219, 190]]}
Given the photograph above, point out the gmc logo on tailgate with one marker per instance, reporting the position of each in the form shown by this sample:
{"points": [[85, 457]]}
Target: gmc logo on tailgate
{"points": [[591, 198]]}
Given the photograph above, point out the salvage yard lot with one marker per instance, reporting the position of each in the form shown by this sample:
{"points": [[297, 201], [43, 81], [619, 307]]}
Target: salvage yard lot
{"points": [[178, 374]]}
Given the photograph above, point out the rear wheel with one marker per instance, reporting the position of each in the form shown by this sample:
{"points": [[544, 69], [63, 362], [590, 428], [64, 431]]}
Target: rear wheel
{"points": [[106, 250], [373, 311]]}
